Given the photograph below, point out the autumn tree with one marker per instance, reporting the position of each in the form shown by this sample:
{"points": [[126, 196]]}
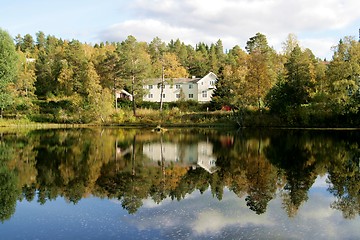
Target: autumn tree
{"points": [[261, 75], [231, 85]]}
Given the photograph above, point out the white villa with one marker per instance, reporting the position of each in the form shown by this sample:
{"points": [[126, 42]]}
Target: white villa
{"points": [[197, 89]]}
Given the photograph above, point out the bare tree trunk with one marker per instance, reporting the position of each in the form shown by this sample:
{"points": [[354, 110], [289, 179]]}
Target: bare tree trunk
{"points": [[116, 106], [162, 158], [133, 156], [161, 88], [133, 95]]}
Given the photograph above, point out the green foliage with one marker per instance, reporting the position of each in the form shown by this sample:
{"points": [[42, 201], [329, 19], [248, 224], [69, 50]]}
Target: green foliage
{"points": [[8, 70], [343, 76]]}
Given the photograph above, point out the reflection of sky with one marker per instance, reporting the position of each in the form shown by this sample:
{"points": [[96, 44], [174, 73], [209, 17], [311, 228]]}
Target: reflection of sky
{"points": [[196, 217]]}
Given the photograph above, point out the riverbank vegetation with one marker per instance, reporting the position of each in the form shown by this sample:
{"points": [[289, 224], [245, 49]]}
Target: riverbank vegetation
{"points": [[48, 79]]}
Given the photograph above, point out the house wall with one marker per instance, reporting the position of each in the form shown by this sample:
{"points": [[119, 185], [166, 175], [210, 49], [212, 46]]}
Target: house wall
{"points": [[171, 92], [206, 87], [200, 90], [190, 91]]}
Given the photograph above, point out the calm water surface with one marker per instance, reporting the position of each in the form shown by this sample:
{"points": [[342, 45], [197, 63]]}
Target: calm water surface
{"points": [[115, 183]]}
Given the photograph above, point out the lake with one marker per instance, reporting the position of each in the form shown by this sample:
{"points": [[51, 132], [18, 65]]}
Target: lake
{"points": [[201, 183]]}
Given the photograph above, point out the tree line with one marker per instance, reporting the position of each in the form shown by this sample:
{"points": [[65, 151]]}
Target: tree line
{"points": [[80, 80]]}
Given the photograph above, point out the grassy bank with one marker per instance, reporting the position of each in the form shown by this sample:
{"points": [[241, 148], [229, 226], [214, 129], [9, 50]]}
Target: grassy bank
{"points": [[177, 118]]}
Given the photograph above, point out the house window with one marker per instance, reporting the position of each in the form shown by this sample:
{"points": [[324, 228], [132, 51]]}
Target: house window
{"points": [[151, 95], [212, 83], [190, 86], [177, 86], [150, 86], [163, 96], [204, 94], [191, 95], [177, 95]]}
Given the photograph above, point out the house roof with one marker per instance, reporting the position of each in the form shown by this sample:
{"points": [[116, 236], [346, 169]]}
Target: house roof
{"points": [[125, 92], [173, 80], [178, 80]]}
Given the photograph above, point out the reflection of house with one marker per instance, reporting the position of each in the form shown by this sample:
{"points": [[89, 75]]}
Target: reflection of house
{"points": [[206, 159], [171, 152], [197, 89], [200, 154]]}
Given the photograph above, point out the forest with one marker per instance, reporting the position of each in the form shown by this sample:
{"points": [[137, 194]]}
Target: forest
{"points": [[49, 79]]}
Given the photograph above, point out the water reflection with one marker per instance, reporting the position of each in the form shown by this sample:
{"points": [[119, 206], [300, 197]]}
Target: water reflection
{"points": [[135, 165]]}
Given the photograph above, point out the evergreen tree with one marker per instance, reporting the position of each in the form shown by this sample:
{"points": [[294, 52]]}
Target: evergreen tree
{"points": [[297, 87]]}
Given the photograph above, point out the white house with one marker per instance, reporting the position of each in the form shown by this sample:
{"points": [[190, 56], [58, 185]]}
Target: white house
{"points": [[197, 89]]}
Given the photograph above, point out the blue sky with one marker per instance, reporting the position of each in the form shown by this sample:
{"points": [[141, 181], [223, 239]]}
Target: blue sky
{"points": [[318, 24]]}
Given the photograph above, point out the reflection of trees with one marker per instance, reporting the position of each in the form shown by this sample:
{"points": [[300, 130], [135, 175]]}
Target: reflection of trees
{"points": [[158, 191], [344, 175], [8, 184], [110, 163], [248, 172], [292, 155]]}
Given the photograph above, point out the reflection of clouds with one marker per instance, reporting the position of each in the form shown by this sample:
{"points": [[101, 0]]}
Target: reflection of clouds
{"points": [[200, 216], [324, 222], [320, 181], [214, 221], [149, 203]]}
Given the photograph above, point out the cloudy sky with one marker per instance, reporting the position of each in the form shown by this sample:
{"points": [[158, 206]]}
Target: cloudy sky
{"points": [[318, 24]]}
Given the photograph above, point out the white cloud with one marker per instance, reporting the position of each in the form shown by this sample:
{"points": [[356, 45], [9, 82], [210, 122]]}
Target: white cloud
{"points": [[146, 30], [235, 22]]}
